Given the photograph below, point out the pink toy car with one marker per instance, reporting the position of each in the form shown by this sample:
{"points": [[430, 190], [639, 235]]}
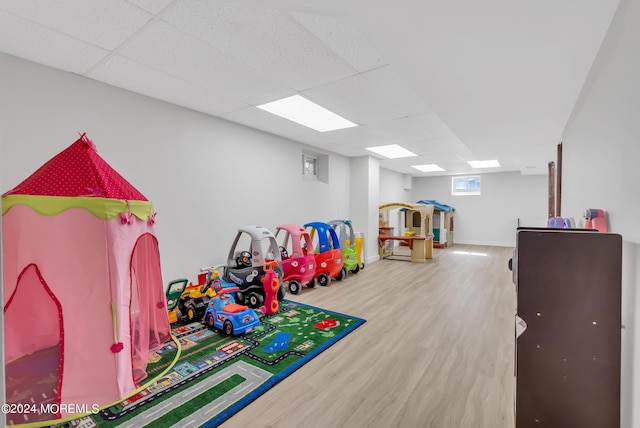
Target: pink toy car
{"points": [[298, 261]]}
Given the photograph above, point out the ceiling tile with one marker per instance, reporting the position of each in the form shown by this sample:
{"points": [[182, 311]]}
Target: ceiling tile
{"points": [[127, 74], [349, 139], [389, 81], [343, 39], [151, 6], [356, 99], [436, 155], [30, 41], [168, 49], [436, 126], [270, 41], [103, 23], [402, 129], [343, 141]]}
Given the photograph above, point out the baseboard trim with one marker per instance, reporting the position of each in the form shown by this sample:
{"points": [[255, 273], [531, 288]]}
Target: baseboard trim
{"points": [[486, 244], [372, 259]]}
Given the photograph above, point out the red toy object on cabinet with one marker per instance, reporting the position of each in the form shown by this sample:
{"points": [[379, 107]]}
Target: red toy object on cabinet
{"points": [[595, 219]]}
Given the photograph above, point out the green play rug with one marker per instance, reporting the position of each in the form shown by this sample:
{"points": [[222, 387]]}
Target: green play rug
{"points": [[217, 375]]}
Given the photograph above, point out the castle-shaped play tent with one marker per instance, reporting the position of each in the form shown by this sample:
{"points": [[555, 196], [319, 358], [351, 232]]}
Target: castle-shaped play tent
{"points": [[84, 306]]}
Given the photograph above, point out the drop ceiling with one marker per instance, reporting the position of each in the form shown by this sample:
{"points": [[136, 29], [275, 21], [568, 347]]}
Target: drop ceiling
{"points": [[450, 81]]}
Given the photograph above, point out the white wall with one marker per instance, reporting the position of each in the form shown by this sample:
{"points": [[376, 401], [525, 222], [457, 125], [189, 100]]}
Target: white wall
{"points": [[365, 196], [392, 187], [392, 190], [490, 218], [205, 176], [601, 150]]}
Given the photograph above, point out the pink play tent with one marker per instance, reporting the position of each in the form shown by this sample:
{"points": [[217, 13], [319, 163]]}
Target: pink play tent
{"points": [[84, 306]]}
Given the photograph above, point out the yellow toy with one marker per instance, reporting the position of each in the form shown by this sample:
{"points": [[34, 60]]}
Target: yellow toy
{"points": [[190, 301]]}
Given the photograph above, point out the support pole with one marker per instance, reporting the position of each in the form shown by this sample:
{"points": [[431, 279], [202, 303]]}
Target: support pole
{"points": [[559, 183], [552, 190]]}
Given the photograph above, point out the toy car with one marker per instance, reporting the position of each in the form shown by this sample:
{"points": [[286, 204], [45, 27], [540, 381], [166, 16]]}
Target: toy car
{"points": [[351, 248], [225, 314], [190, 300], [298, 260], [328, 254], [245, 268]]}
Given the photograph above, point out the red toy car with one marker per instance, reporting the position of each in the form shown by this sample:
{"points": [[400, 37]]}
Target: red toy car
{"points": [[298, 260]]}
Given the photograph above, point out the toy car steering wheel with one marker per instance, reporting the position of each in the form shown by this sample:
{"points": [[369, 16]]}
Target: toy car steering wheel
{"points": [[284, 254], [244, 259]]}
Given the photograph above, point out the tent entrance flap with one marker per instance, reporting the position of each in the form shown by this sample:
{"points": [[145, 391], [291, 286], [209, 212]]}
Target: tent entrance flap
{"points": [[149, 325], [33, 345]]}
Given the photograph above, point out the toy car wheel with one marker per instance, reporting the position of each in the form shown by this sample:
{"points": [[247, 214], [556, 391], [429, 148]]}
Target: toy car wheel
{"points": [[357, 269], [255, 300], [228, 328], [191, 313], [324, 279], [342, 275], [240, 298], [210, 320], [294, 287], [312, 283], [281, 293]]}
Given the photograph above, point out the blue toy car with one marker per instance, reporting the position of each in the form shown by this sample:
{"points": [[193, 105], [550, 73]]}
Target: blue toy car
{"points": [[225, 314]]}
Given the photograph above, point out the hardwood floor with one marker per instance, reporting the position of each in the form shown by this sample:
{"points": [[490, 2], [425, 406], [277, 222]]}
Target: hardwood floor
{"points": [[437, 349]]}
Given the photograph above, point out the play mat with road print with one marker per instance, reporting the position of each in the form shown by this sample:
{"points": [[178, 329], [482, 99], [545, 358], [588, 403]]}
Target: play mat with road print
{"points": [[217, 375]]}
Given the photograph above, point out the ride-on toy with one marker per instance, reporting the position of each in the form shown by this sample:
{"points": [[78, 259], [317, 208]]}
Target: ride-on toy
{"points": [[350, 244], [225, 314], [328, 254], [191, 300], [271, 285], [298, 260], [245, 268]]}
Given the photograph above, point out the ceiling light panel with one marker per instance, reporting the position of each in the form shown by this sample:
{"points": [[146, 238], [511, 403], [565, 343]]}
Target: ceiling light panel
{"points": [[392, 151], [432, 167], [307, 113]]}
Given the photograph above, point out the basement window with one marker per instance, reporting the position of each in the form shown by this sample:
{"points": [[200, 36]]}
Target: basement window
{"points": [[463, 186], [309, 166]]}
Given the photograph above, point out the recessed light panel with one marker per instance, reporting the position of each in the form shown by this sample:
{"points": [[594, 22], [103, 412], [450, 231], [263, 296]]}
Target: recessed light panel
{"points": [[307, 113], [432, 167], [392, 151], [484, 164]]}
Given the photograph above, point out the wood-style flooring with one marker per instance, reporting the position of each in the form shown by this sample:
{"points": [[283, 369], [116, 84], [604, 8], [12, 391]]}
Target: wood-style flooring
{"points": [[437, 349]]}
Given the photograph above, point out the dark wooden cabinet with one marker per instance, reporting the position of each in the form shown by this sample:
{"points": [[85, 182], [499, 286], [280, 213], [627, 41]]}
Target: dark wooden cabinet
{"points": [[568, 357]]}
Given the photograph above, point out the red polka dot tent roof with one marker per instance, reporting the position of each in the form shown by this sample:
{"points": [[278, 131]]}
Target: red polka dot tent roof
{"points": [[84, 304], [78, 171]]}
